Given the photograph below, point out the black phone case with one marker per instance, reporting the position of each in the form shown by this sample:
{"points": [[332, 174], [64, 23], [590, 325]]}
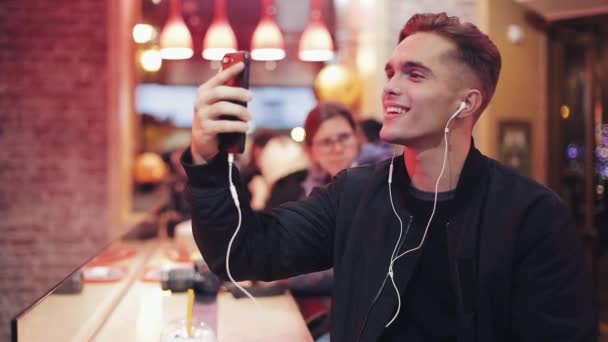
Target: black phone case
{"points": [[235, 142]]}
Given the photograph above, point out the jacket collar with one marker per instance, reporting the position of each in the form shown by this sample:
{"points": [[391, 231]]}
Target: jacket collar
{"points": [[473, 170], [461, 236]]}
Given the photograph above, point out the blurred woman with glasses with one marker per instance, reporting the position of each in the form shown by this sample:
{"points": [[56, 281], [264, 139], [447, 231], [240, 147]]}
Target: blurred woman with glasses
{"points": [[332, 145], [331, 142]]}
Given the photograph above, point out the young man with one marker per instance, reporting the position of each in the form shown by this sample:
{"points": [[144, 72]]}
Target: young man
{"points": [[479, 254]]}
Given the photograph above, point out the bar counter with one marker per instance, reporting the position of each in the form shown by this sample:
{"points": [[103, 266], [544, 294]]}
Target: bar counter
{"points": [[137, 309]]}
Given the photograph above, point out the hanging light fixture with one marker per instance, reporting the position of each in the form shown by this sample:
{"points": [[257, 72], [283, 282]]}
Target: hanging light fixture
{"points": [[316, 43], [175, 39], [267, 42], [220, 38]]}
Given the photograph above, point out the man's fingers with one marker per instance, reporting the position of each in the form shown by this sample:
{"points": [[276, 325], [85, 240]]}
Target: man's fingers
{"points": [[222, 93], [217, 109], [228, 126], [223, 76]]}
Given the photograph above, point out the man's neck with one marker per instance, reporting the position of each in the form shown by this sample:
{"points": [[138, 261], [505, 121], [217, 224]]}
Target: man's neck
{"points": [[424, 164]]}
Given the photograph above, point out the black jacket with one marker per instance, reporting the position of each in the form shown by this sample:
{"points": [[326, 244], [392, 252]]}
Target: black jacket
{"points": [[515, 260]]}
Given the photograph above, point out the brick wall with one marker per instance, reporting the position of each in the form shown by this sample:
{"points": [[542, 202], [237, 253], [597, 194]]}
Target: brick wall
{"points": [[53, 144]]}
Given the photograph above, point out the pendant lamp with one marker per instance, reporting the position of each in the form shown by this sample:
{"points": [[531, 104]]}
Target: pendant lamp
{"points": [[220, 38], [267, 43], [316, 43], [175, 39]]}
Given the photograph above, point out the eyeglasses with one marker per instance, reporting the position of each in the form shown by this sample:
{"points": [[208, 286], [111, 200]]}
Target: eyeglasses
{"points": [[325, 145]]}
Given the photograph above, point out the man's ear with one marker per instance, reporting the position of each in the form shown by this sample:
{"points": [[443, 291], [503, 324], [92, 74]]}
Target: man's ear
{"points": [[472, 99]]}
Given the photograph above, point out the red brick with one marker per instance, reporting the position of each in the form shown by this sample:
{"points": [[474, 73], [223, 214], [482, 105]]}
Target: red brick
{"points": [[53, 138]]}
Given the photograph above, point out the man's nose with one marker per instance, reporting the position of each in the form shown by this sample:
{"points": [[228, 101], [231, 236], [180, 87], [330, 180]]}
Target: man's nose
{"points": [[391, 87]]}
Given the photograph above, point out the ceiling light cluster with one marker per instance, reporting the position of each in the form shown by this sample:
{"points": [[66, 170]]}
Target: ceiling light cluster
{"points": [[267, 43]]}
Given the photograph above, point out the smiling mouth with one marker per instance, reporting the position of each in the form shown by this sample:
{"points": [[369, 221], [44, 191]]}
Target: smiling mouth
{"points": [[392, 110]]}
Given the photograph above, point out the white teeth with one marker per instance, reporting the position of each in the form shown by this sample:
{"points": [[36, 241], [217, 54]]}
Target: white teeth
{"points": [[396, 110]]}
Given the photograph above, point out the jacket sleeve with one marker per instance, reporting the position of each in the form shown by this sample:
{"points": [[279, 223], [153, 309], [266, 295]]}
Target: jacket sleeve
{"points": [[292, 239], [553, 292], [312, 284]]}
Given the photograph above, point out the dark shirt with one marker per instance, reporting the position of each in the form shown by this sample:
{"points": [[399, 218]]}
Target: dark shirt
{"points": [[428, 308]]}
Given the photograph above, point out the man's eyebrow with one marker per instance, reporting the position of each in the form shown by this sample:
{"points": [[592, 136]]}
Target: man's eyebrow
{"points": [[408, 64], [415, 64]]}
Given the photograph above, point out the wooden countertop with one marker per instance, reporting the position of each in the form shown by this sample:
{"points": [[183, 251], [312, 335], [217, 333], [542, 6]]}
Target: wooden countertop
{"points": [[76, 317], [135, 310], [146, 309]]}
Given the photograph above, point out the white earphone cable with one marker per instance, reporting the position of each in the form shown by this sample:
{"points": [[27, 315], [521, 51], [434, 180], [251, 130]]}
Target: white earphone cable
{"points": [[446, 131], [235, 198]]}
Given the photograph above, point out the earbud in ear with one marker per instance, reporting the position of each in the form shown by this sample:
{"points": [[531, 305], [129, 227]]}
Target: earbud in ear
{"points": [[462, 106]]}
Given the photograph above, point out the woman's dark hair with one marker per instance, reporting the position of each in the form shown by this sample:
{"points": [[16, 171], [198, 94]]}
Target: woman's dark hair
{"points": [[371, 129], [323, 112]]}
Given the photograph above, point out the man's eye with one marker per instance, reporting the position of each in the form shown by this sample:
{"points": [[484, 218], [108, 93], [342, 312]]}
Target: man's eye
{"points": [[416, 75], [389, 75]]}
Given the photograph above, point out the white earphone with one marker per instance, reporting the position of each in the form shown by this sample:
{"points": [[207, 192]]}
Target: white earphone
{"points": [[461, 107], [394, 256]]}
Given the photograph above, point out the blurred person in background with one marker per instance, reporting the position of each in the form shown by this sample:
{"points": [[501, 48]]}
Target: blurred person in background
{"points": [[284, 165], [177, 209], [373, 149], [332, 146], [251, 174], [331, 142]]}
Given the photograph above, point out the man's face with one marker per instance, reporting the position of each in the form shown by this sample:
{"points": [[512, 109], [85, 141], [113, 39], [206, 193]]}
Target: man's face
{"points": [[421, 91]]}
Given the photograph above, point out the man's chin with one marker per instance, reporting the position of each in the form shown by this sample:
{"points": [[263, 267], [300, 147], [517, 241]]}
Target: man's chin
{"points": [[391, 138], [385, 136]]}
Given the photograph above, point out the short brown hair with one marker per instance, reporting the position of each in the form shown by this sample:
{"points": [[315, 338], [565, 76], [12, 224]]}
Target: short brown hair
{"points": [[323, 112], [474, 48]]}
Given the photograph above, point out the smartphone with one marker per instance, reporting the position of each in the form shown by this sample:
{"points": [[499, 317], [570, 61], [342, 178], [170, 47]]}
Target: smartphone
{"points": [[235, 142]]}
